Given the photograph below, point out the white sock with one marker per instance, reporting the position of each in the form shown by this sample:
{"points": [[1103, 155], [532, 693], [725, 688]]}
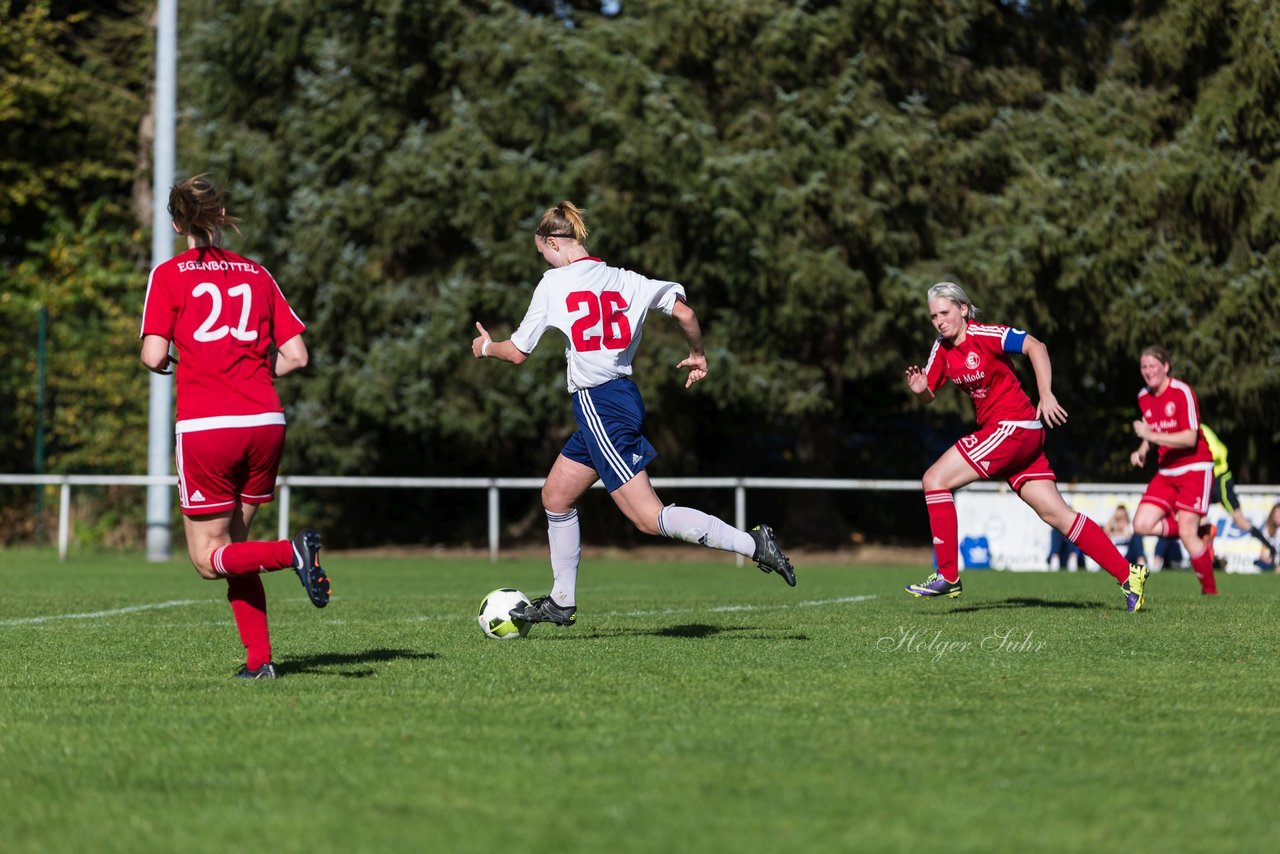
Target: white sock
{"points": [[694, 526], [566, 550]]}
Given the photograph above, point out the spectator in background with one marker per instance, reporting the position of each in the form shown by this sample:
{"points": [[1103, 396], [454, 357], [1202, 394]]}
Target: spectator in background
{"points": [[1267, 560], [1168, 554], [1063, 552], [1120, 529]]}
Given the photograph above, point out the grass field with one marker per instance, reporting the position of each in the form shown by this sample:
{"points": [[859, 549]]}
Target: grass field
{"points": [[695, 707]]}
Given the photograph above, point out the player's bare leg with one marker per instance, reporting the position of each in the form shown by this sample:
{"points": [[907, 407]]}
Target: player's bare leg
{"points": [[950, 472], [639, 503], [208, 533], [1199, 546], [1152, 520], [565, 484], [205, 535]]}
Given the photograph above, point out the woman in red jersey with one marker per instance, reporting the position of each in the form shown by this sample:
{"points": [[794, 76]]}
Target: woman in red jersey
{"points": [[234, 333], [1009, 442], [1177, 498]]}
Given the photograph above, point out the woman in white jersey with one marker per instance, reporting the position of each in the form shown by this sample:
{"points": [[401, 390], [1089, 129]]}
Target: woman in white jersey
{"points": [[601, 312]]}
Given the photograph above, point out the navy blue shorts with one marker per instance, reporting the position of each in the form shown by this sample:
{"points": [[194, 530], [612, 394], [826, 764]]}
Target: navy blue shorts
{"points": [[610, 437]]}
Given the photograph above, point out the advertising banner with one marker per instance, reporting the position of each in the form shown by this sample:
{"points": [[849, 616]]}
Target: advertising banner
{"points": [[999, 531]]}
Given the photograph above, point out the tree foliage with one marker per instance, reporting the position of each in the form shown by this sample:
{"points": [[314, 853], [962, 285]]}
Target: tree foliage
{"points": [[71, 103], [1102, 174]]}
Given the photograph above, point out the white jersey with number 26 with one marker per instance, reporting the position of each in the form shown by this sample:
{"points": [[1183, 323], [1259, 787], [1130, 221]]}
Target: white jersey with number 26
{"points": [[601, 310]]}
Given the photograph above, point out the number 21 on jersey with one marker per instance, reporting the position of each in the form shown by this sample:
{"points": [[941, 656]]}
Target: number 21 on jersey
{"points": [[605, 323], [206, 331]]}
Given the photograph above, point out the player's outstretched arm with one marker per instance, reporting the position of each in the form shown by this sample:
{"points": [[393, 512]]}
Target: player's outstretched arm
{"points": [[1048, 410], [483, 346], [696, 361], [918, 382]]}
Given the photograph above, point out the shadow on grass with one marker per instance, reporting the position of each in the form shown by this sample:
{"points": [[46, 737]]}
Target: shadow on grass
{"points": [[325, 663], [689, 630], [1027, 602]]}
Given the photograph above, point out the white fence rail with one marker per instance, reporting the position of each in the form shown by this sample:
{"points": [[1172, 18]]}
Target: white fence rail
{"points": [[494, 485]]}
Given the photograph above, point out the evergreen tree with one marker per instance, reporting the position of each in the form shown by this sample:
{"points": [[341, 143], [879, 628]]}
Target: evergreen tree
{"points": [[1102, 174], [71, 103]]}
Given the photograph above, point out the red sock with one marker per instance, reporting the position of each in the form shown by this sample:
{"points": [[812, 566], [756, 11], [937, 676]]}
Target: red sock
{"points": [[942, 521], [1203, 565], [1086, 534], [249, 606], [252, 558], [1168, 527]]}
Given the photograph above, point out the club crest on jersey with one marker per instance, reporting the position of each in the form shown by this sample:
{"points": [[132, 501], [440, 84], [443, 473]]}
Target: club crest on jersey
{"points": [[1168, 409], [971, 361]]}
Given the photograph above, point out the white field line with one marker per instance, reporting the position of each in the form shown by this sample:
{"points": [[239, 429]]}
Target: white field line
{"points": [[177, 603], [804, 603], [131, 609], [720, 609], [94, 615]]}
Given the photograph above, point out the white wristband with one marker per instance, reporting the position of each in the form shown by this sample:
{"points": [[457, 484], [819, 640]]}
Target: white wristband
{"points": [[484, 348]]}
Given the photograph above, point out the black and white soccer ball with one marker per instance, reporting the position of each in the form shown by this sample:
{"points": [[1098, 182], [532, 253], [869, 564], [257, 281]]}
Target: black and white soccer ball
{"points": [[495, 618]]}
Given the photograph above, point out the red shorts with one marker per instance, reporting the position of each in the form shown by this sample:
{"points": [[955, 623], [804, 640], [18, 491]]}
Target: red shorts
{"points": [[1006, 449], [218, 469], [1187, 490]]}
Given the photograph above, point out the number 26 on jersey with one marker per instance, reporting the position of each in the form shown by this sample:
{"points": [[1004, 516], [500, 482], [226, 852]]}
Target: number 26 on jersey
{"points": [[604, 324]]}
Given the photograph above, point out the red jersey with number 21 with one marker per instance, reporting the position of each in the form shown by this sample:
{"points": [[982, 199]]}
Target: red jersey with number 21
{"points": [[981, 366], [223, 312]]}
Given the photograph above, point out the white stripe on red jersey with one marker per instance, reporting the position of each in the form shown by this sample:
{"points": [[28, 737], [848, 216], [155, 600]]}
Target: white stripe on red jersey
{"points": [[980, 366], [1173, 410]]}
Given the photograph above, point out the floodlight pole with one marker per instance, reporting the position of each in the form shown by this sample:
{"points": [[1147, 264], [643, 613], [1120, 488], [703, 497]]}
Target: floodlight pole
{"points": [[160, 426]]}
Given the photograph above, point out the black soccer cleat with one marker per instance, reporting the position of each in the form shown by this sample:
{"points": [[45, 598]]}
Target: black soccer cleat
{"points": [[545, 610], [768, 556], [265, 671], [306, 562]]}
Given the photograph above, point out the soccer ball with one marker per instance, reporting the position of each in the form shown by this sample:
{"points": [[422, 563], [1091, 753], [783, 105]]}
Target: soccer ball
{"points": [[495, 619]]}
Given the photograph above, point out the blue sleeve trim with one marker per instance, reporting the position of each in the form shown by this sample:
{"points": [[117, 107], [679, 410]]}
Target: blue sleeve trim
{"points": [[1013, 339]]}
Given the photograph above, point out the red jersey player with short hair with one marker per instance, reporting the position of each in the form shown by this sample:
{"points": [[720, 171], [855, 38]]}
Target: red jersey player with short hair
{"points": [[1009, 442], [1178, 496], [234, 332]]}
